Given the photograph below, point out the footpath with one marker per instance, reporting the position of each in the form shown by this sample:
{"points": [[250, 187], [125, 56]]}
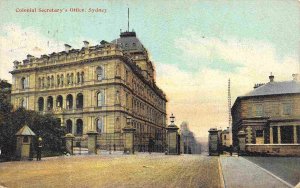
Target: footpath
{"points": [[241, 173]]}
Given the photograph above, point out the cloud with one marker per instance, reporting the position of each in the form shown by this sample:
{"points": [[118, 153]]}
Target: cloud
{"points": [[200, 96], [16, 42]]}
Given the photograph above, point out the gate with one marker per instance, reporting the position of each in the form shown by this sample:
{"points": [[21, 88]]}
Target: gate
{"points": [[110, 141], [146, 142]]}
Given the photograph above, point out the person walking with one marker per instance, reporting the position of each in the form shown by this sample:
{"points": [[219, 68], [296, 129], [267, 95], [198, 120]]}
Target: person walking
{"points": [[39, 150], [230, 150], [150, 145]]}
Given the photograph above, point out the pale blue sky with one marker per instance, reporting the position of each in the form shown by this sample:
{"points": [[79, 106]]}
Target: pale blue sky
{"points": [[195, 45], [159, 23]]}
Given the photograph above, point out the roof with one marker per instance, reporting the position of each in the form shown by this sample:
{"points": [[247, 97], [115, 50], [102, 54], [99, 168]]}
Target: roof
{"points": [[129, 41], [25, 131], [275, 88]]}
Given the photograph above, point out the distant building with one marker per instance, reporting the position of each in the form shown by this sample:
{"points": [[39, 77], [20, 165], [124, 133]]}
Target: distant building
{"points": [[270, 117], [226, 137], [189, 145]]}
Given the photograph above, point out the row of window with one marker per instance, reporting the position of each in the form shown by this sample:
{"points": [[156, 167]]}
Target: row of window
{"points": [[145, 110], [259, 111], [49, 81], [69, 101]]}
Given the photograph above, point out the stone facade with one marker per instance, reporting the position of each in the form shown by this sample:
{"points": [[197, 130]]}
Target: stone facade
{"points": [[271, 117], [93, 88]]}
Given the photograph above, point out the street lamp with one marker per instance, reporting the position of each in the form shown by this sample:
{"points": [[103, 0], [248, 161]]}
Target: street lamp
{"points": [[172, 119]]}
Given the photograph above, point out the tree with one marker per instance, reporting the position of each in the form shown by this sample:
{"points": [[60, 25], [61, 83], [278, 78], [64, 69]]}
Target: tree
{"points": [[45, 126]]}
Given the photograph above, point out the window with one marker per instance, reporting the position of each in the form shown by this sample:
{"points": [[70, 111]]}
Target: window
{"points": [[69, 126], [99, 73], [82, 77], [41, 104], [50, 103], [79, 127], [259, 133], [69, 101], [79, 100], [78, 78], [287, 109], [100, 125], [23, 103], [100, 99], [23, 83], [52, 81], [25, 139], [58, 80], [59, 101], [62, 80], [259, 110]]}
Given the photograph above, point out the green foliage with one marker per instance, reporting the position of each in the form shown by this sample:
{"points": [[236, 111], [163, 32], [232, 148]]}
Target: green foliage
{"points": [[45, 126]]}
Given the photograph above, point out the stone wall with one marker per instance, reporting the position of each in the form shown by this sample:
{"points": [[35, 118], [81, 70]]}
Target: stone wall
{"points": [[274, 149]]}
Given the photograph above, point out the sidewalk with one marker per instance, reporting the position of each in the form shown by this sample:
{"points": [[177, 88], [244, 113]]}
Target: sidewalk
{"points": [[239, 172]]}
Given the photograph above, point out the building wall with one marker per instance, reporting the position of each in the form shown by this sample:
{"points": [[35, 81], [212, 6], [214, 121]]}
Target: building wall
{"points": [[255, 115], [125, 91]]}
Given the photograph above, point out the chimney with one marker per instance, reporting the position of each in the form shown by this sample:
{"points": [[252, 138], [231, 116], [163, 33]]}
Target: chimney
{"points": [[86, 44], [67, 47], [29, 57], [271, 77], [295, 77]]}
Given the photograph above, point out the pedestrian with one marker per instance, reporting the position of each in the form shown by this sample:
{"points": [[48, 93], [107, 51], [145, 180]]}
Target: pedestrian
{"points": [[39, 150], [238, 150], [230, 150], [150, 145]]}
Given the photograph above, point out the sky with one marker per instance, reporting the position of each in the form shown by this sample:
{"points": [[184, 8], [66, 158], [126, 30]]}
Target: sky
{"points": [[195, 45]]}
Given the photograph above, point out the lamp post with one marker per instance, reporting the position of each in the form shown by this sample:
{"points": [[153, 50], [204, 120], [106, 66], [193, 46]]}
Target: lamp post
{"points": [[173, 137]]}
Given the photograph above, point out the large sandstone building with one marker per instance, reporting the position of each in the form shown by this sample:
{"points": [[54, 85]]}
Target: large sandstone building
{"points": [[269, 117], [93, 88]]}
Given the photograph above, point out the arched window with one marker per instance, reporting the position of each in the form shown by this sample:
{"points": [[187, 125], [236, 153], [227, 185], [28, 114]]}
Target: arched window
{"points": [[58, 80], [23, 83], [43, 82], [23, 103], [99, 73], [62, 80], [59, 101], [48, 81], [100, 125], [50, 103], [41, 104], [79, 127], [52, 81], [40, 83], [100, 99], [72, 78], [117, 125], [68, 79], [69, 126], [78, 78], [82, 77], [79, 101], [69, 101]]}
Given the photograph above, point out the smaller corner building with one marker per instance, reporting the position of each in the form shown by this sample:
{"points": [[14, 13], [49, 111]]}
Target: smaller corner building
{"points": [[269, 115]]}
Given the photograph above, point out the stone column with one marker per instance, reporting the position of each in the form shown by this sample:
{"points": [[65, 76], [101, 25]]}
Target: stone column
{"points": [[129, 140], [92, 142], [271, 135], [279, 134], [172, 140], [295, 134], [69, 143]]}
